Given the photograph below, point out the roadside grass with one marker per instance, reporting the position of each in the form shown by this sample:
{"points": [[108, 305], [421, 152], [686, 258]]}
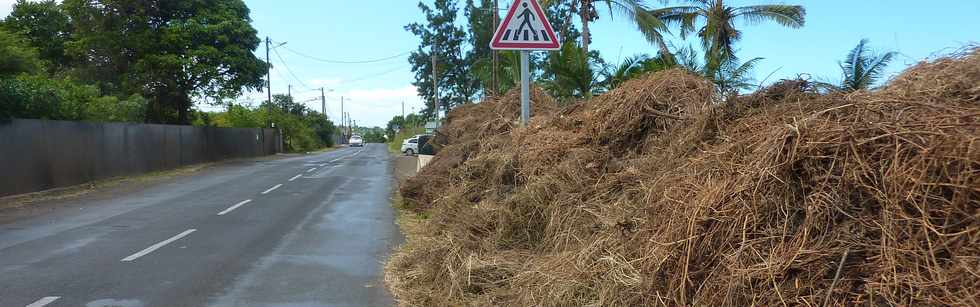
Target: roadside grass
{"points": [[395, 145], [324, 149], [69, 192], [21, 200], [411, 223]]}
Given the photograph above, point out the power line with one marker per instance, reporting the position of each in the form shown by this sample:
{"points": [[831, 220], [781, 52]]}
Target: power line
{"points": [[290, 70], [371, 76], [347, 62]]}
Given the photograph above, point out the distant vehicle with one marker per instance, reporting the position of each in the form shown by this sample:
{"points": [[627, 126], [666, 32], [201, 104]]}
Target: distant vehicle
{"points": [[411, 146], [356, 141]]}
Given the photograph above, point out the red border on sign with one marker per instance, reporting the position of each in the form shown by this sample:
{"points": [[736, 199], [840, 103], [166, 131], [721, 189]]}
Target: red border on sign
{"points": [[498, 36]]}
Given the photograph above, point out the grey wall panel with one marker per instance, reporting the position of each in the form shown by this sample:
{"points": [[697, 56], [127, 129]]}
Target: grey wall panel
{"points": [[38, 155]]}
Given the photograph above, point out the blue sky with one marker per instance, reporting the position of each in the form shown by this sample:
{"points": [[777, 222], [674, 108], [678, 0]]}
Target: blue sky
{"points": [[340, 30]]}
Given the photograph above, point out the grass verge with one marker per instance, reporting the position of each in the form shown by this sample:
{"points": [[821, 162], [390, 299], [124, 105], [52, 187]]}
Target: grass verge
{"points": [[395, 145], [21, 200], [411, 224]]}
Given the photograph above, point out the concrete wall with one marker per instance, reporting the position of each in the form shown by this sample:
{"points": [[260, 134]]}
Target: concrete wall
{"points": [[37, 155]]}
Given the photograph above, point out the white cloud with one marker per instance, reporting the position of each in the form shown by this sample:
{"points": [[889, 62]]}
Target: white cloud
{"points": [[383, 94], [5, 7], [376, 106]]}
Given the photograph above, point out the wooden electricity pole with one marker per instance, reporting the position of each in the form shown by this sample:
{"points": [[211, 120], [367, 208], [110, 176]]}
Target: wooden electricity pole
{"points": [[435, 83]]}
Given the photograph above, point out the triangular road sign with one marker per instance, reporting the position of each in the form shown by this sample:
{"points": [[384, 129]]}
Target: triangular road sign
{"points": [[525, 28]]}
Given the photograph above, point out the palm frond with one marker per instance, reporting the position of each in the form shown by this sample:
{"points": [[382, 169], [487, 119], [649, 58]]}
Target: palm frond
{"points": [[744, 69], [793, 16], [876, 68], [861, 68], [683, 16]]}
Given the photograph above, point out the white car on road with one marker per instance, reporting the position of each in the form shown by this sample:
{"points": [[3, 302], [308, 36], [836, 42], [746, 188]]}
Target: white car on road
{"points": [[356, 141]]}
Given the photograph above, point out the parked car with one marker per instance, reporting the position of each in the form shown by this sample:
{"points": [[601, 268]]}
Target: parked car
{"points": [[356, 141], [410, 146]]}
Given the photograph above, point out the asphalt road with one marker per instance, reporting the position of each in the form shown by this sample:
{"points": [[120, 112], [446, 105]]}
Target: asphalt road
{"points": [[303, 231]]}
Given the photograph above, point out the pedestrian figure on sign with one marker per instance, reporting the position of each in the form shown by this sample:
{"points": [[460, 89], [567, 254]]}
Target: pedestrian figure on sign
{"points": [[527, 16]]}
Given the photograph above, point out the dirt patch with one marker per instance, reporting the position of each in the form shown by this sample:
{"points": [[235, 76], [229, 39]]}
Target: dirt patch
{"points": [[657, 194], [405, 167]]}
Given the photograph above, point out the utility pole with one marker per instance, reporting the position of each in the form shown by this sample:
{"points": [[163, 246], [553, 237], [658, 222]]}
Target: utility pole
{"points": [[289, 91], [403, 110], [343, 116], [435, 83], [323, 103], [268, 79], [493, 73]]}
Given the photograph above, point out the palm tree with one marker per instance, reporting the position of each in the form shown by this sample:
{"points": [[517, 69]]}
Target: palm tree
{"points": [[718, 33], [631, 68], [636, 10], [862, 67], [729, 78], [571, 73], [508, 70]]}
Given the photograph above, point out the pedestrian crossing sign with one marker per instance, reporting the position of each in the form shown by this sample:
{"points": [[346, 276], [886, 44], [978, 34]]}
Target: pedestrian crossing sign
{"points": [[525, 28]]}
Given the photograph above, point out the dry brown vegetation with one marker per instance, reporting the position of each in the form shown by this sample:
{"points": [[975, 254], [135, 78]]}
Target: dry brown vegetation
{"points": [[653, 194]]}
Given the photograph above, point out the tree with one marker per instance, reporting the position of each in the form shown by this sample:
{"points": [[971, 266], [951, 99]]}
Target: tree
{"points": [[17, 55], [480, 26], [649, 25], [863, 67], [631, 68], [170, 51], [509, 65], [572, 73], [731, 77], [374, 135], [718, 33], [45, 26], [440, 36]]}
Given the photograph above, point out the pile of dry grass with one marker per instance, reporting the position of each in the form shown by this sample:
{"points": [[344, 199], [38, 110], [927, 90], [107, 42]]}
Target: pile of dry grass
{"points": [[650, 195], [469, 129]]}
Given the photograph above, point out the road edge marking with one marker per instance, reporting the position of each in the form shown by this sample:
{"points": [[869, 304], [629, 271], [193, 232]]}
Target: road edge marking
{"points": [[157, 246], [272, 189], [232, 208]]}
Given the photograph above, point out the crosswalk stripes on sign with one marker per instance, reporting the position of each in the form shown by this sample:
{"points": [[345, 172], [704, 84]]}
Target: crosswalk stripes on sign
{"points": [[525, 27]]}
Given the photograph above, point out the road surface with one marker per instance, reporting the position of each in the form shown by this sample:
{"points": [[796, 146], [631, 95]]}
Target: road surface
{"points": [[302, 231]]}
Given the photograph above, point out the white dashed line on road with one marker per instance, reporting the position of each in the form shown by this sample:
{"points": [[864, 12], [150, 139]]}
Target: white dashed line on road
{"points": [[157, 246], [232, 208], [295, 177], [44, 301], [272, 189], [311, 170]]}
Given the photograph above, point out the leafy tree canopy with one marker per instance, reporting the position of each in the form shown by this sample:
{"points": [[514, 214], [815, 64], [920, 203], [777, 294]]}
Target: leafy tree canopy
{"points": [[17, 56], [170, 51], [441, 37], [44, 25]]}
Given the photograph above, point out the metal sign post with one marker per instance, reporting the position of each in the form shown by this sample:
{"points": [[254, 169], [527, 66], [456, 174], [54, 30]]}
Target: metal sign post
{"points": [[525, 28], [525, 87]]}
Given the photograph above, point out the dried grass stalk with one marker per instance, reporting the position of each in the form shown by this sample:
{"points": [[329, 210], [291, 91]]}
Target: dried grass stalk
{"points": [[651, 196]]}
